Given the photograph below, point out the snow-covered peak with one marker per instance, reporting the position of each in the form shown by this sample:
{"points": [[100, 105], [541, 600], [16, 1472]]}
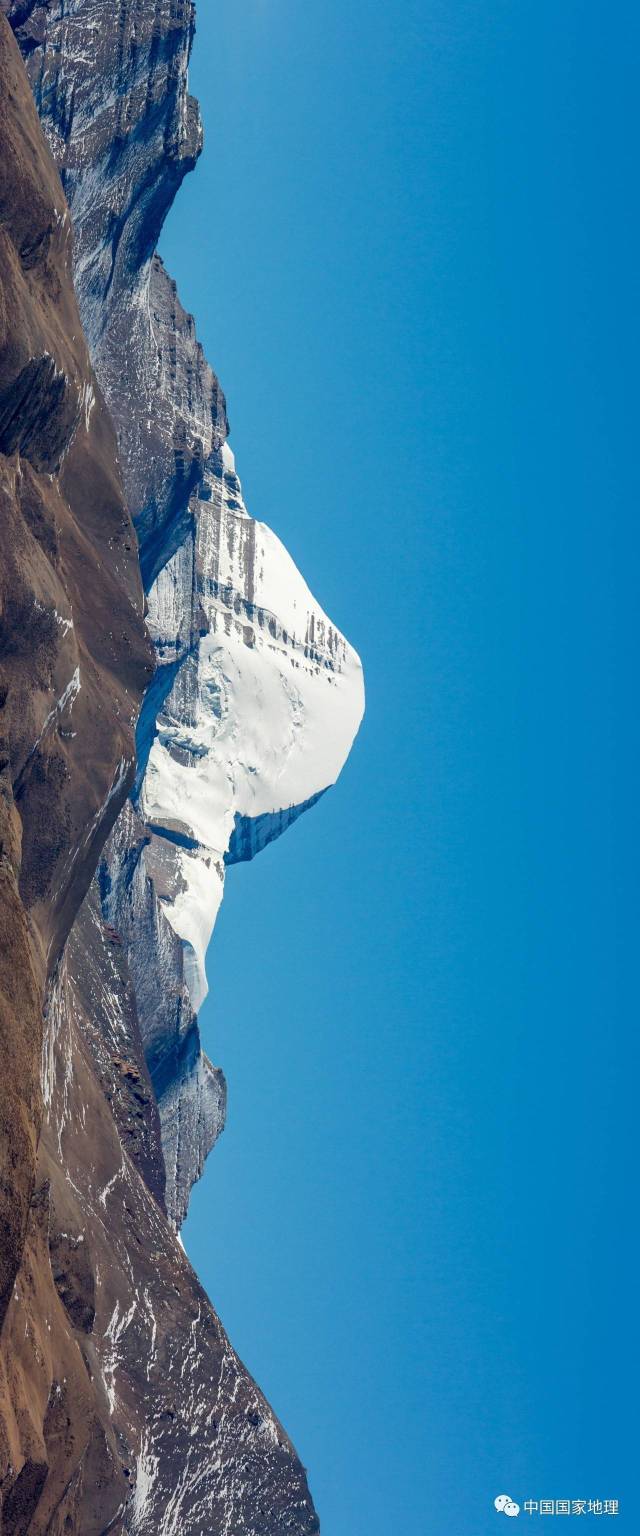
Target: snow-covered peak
{"points": [[261, 697]]}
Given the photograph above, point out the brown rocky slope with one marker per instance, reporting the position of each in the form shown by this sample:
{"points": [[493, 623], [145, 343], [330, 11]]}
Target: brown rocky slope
{"points": [[74, 657], [123, 1407]]}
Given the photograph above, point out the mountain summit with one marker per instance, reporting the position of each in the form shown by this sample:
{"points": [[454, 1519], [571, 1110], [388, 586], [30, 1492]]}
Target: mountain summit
{"points": [[173, 697]]}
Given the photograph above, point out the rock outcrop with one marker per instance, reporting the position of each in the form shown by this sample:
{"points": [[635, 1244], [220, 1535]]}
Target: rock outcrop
{"points": [[74, 660], [111, 91], [122, 1404], [257, 697]]}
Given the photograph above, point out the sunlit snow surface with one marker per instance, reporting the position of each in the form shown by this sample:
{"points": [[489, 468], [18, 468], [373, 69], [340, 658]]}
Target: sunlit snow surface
{"points": [[263, 699]]}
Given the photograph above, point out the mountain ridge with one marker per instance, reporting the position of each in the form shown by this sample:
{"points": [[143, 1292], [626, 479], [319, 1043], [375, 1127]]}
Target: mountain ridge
{"points": [[135, 1414]]}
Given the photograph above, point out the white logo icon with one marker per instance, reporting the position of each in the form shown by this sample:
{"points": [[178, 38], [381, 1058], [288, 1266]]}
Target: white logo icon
{"points": [[506, 1505]]}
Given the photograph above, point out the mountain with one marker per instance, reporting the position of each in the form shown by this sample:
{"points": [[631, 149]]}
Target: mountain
{"points": [[122, 1404]]}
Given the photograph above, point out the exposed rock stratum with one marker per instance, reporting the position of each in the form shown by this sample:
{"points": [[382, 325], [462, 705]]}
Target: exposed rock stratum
{"points": [[137, 762]]}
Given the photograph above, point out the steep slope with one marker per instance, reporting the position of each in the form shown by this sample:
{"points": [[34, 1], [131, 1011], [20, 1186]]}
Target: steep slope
{"points": [[150, 1420], [140, 1416], [257, 696], [111, 91], [248, 722], [122, 1405], [74, 659]]}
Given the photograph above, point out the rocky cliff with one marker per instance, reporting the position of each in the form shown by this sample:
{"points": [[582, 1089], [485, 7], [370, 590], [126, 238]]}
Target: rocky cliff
{"points": [[257, 697], [74, 660], [124, 1407]]}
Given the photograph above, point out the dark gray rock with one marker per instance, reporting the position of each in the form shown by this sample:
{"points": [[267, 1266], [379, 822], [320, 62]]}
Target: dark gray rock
{"points": [[148, 1420], [115, 107]]}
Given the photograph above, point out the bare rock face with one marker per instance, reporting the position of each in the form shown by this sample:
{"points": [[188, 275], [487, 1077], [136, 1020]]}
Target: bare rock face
{"points": [[113, 100], [115, 108], [135, 877], [257, 696], [74, 659], [183, 1437], [122, 1404], [73, 651]]}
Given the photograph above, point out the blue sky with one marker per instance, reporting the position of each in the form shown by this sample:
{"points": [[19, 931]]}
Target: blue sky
{"points": [[411, 247]]}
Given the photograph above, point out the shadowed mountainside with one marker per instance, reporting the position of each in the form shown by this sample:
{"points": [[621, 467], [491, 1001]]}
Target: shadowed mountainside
{"points": [[74, 659], [123, 1407], [122, 1404]]}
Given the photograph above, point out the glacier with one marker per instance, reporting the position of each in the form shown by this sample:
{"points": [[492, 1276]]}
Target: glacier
{"points": [[252, 711], [264, 699]]}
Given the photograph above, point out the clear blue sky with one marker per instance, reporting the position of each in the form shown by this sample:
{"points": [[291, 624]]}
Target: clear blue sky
{"points": [[412, 249]]}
